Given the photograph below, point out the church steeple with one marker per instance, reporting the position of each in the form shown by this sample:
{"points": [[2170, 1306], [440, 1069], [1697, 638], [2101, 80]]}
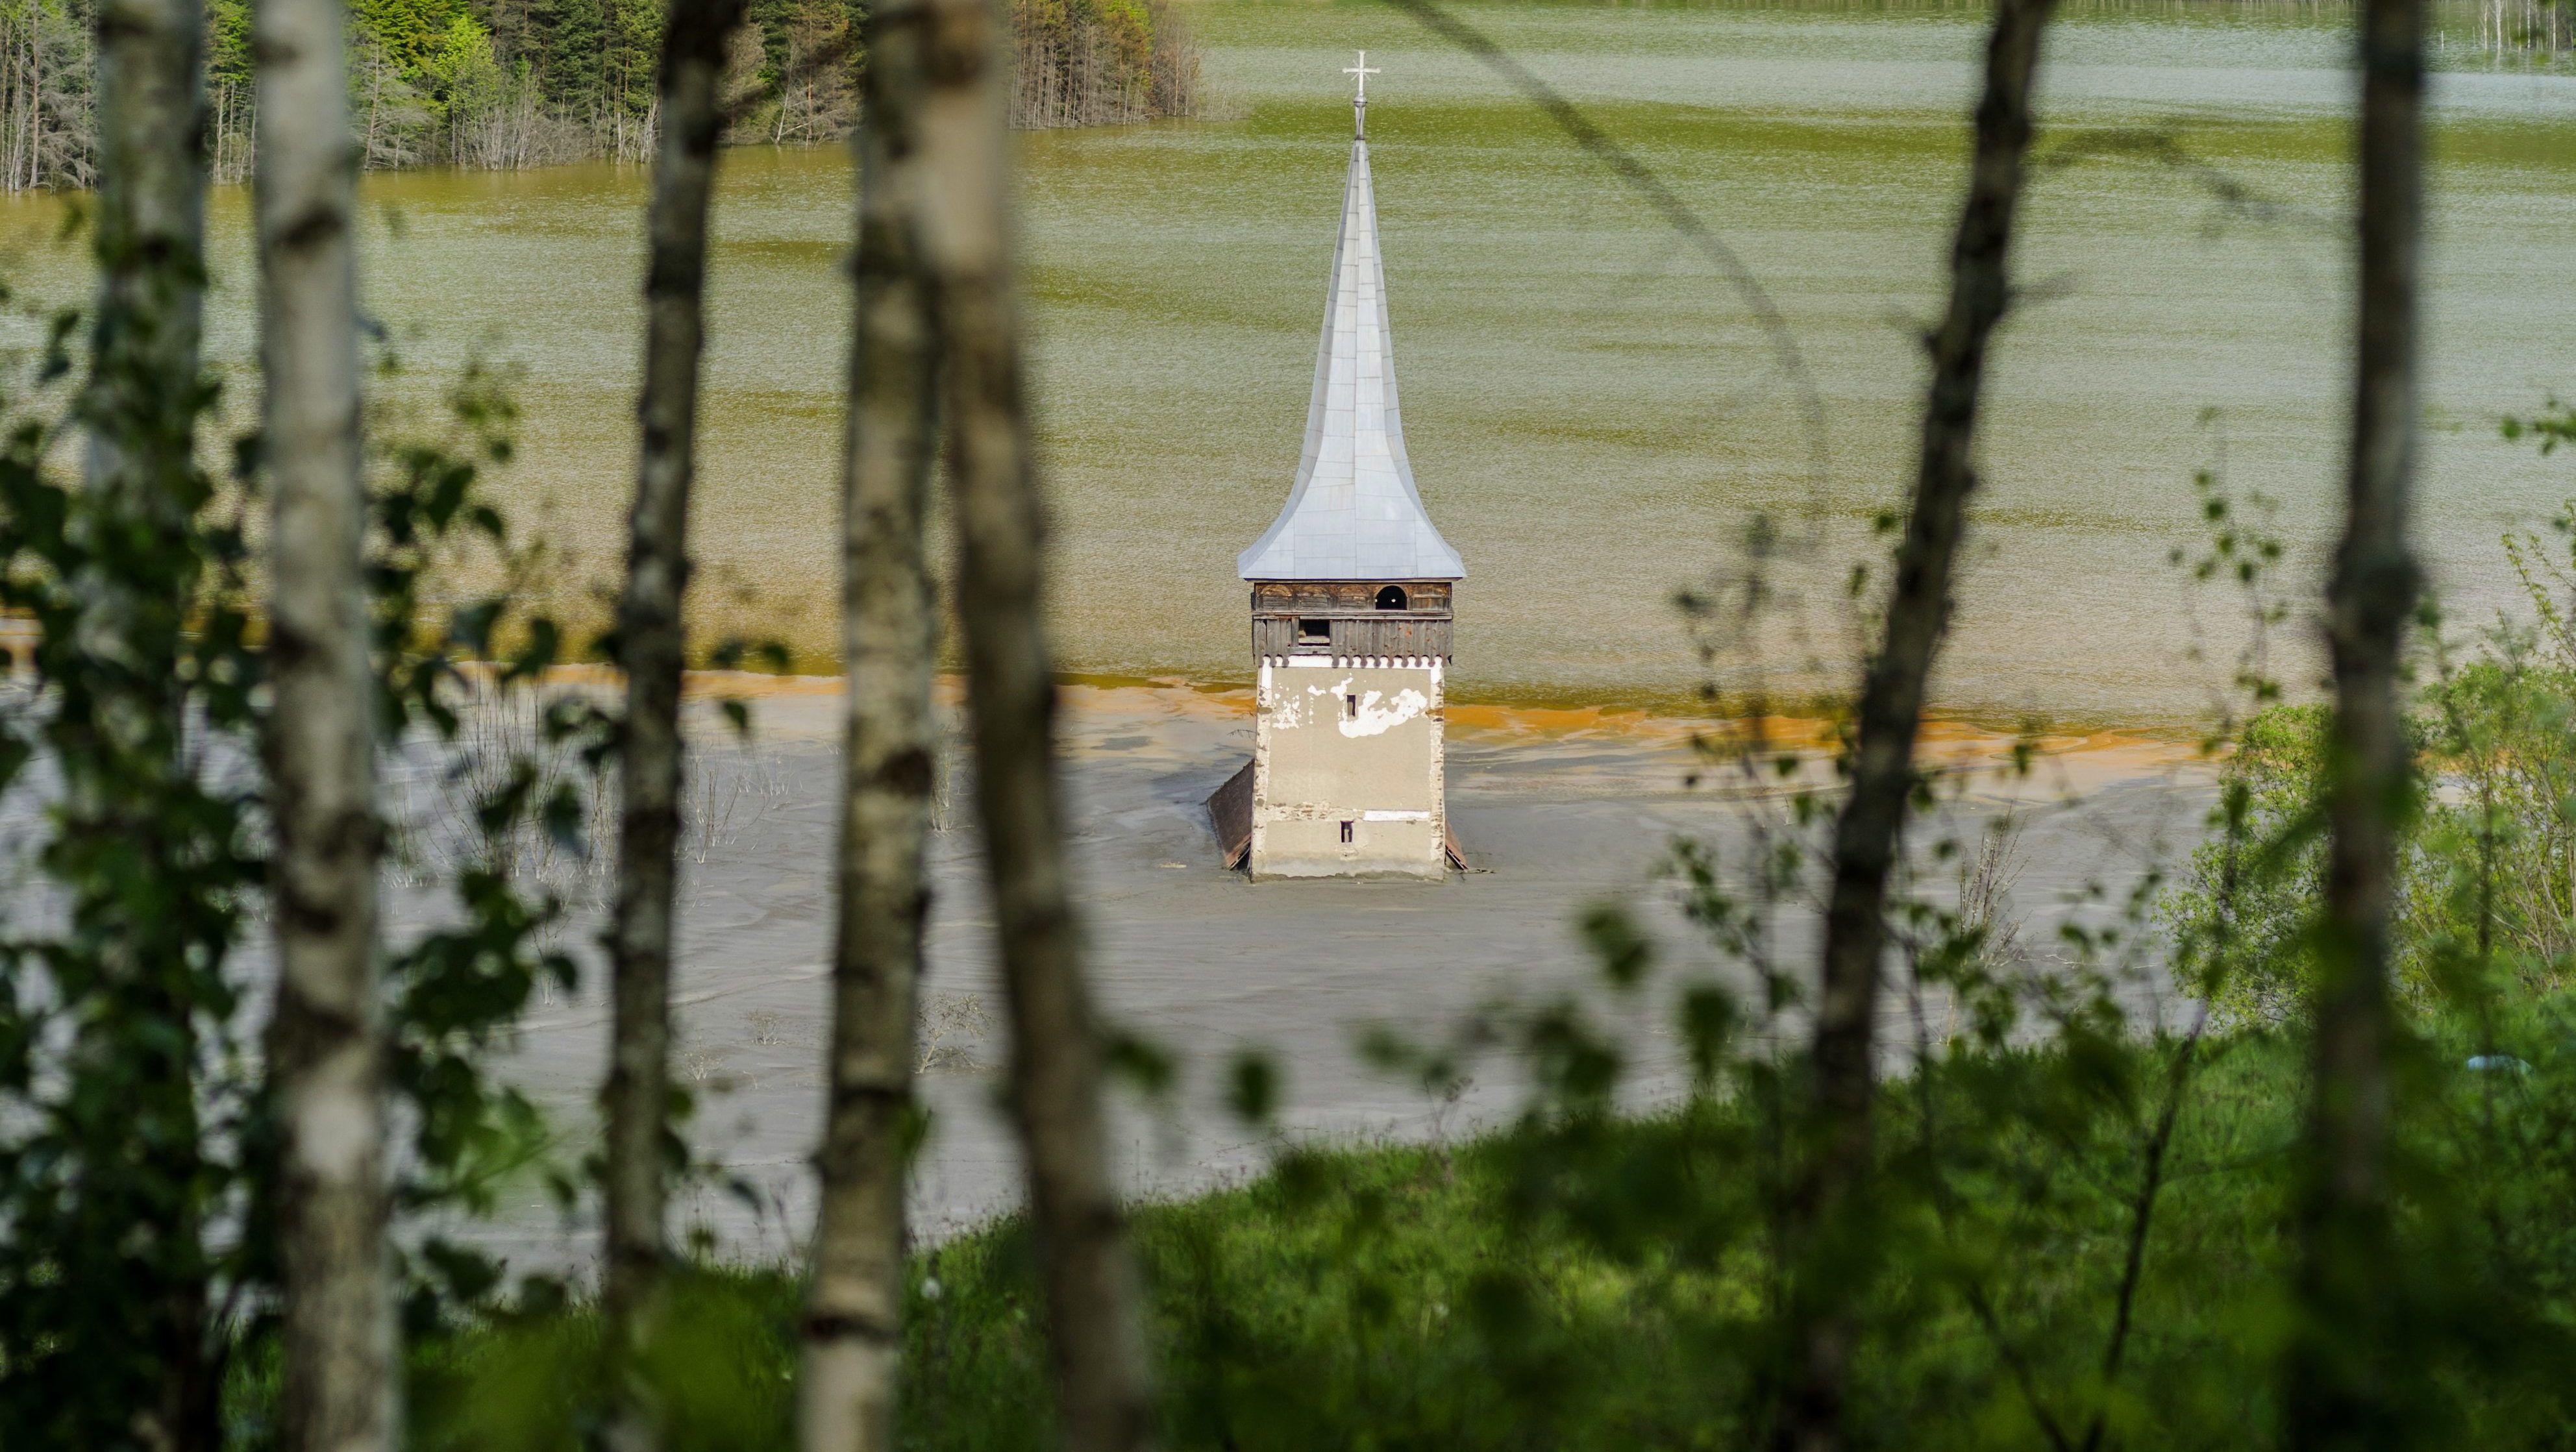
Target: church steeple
{"points": [[1352, 596], [1354, 513]]}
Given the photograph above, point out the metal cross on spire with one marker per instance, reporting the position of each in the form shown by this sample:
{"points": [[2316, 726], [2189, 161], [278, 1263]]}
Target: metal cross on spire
{"points": [[1359, 104]]}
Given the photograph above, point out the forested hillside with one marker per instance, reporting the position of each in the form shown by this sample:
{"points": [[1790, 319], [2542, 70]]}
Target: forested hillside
{"points": [[512, 83]]}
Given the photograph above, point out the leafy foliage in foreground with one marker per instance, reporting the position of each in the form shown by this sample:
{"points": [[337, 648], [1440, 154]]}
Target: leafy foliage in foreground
{"points": [[2487, 893], [136, 1143], [1560, 1285]]}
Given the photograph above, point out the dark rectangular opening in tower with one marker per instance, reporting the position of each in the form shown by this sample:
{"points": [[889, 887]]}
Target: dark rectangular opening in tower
{"points": [[1315, 632]]}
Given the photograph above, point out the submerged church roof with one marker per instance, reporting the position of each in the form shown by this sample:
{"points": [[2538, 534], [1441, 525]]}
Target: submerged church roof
{"points": [[1354, 513]]}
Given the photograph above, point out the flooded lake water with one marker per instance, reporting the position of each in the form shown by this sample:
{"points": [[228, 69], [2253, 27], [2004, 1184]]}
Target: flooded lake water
{"points": [[1591, 414]]}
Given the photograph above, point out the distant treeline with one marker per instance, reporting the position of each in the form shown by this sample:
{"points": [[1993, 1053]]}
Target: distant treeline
{"points": [[513, 83], [1100, 62]]}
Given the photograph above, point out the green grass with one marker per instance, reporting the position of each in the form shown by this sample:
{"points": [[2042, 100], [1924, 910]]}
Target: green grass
{"points": [[1590, 1283]]}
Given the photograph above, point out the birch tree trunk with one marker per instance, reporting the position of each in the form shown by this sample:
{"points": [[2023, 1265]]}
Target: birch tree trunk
{"points": [[2344, 1388], [144, 393], [150, 242], [325, 1057], [853, 1329], [651, 643], [1093, 1299], [1829, 1237]]}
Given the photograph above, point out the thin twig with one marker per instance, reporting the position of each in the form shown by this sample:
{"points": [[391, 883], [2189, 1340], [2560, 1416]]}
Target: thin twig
{"points": [[2141, 1221], [1943, 1205]]}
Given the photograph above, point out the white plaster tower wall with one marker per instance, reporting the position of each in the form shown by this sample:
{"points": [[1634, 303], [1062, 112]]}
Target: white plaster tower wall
{"points": [[1348, 772]]}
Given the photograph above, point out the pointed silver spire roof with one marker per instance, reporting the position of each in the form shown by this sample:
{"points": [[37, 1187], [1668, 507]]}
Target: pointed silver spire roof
{"points": [[1354, 513]]}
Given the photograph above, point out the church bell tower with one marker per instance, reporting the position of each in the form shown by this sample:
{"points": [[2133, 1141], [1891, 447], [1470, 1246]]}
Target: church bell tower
{"points": [[1351, 591]]}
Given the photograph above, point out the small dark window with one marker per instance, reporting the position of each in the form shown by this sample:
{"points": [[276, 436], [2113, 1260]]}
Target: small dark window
{"points": [[1350, 708], [1314, 632], [1391, 598], [1346, 831]]}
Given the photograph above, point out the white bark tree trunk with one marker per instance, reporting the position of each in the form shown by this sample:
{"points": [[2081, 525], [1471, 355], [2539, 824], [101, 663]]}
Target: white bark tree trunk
{"points": [[651, 648], [142, 404], [325, 1054], [853, 1327], [1094, 1302]]}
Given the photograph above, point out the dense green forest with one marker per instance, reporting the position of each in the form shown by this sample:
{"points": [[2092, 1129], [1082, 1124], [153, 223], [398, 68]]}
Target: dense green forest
{"points": [[514, 83]]}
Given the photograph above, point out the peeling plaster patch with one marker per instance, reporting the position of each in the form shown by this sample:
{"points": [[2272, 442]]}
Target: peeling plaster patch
{"points": [[1373, 719], [1307, 812], [1395, 816], [1370, 719]]}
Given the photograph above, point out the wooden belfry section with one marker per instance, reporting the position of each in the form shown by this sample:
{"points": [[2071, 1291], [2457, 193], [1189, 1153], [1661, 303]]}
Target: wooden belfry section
{"points": [[1351, 594], [1350, 618]]}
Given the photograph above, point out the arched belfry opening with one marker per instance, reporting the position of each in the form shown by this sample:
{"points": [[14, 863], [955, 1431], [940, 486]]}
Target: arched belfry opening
{"points": [[1391, 598]]}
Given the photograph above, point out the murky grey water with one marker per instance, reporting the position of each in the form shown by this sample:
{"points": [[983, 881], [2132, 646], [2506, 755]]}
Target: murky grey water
{"points": [[1198, 960], [1592, 416]]}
